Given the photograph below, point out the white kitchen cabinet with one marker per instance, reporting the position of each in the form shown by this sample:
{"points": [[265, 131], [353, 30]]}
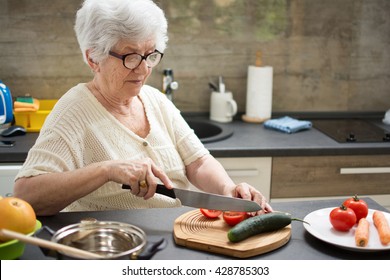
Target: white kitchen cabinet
{"points": [[8, 172], [255, 171]]}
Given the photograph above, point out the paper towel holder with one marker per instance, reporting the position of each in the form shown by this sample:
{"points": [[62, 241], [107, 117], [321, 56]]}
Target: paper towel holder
{"points": [[249, 119]]}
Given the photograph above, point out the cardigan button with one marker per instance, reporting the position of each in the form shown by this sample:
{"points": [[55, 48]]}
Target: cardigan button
{"points": [[145, 143]]}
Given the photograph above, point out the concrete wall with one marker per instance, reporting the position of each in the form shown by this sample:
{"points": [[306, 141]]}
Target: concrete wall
{"points": [[327, 55]]}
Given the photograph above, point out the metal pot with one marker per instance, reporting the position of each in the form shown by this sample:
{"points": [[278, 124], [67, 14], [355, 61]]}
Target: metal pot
{"points": [[111, 240]]}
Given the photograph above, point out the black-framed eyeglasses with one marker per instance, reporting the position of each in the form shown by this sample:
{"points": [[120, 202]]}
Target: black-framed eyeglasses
{"points": [[133, 60]]}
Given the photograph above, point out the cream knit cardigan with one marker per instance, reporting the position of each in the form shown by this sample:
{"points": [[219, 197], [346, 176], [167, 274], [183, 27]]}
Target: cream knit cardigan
{"points": [[80, 131]]}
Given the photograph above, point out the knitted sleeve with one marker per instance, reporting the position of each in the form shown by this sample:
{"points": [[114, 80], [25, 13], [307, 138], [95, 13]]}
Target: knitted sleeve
{"points": [[60, 145]]}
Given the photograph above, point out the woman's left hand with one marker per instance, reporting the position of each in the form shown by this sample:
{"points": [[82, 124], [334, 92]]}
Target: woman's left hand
{"points": [[246, 191]]}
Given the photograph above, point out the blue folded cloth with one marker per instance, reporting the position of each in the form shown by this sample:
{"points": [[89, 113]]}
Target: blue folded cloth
{"points": [[287, 124]]}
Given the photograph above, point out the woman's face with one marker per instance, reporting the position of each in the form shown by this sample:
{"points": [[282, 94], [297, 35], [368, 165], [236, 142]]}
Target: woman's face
{"points": [[114, 78]]}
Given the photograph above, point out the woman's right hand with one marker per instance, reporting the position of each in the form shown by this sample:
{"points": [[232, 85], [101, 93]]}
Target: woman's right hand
{"points": [[141, 175]]}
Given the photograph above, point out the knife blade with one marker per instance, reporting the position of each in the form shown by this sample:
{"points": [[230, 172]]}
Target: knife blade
{"points": [[206, 200]]}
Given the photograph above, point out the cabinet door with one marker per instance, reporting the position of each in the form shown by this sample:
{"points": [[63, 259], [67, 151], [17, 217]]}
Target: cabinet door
{"points": [[7, 176], [254, 171], [324, 176]]}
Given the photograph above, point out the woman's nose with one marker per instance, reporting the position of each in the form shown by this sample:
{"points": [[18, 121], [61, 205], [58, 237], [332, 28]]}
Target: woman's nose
{"points": [[142, 68]]}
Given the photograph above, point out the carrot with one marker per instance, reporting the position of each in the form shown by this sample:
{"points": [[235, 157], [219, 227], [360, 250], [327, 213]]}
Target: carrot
{"points": [[362, 233], [382, 225]]}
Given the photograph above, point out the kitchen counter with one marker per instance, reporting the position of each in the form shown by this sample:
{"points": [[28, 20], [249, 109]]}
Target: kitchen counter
{"points": [[248, 140], [253, 140], [158, 223]]}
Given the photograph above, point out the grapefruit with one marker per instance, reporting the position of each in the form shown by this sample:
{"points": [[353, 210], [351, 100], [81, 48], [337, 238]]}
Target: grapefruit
{"points": [[17, 215]]}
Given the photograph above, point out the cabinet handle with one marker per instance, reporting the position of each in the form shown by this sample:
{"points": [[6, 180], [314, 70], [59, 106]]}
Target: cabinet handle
{"points": [[242, 172], [364, 170]]}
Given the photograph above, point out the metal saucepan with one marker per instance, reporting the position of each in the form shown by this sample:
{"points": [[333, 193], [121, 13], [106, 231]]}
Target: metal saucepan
{"points": [[110, 240]]}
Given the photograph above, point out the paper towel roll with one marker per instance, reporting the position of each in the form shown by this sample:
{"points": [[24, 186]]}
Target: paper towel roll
{"points": [[259, 94]]}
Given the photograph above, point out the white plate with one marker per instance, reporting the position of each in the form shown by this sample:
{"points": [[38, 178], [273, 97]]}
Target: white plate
{"points": [[321, 228]]}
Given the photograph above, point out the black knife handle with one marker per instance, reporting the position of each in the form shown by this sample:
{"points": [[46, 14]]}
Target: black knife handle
{"points": [[161, 189]]}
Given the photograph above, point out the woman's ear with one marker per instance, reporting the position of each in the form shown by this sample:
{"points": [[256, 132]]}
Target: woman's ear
{"points": [[92, 64]]}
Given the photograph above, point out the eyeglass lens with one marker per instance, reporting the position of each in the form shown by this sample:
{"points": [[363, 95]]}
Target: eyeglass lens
{"points": [[134, 60]]}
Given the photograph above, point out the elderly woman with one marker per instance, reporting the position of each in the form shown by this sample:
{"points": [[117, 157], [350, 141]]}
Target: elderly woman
{"points": [[116, 130]]}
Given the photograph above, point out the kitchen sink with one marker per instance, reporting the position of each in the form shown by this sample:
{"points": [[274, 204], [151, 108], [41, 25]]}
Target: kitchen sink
{"points": [[209, 131]]}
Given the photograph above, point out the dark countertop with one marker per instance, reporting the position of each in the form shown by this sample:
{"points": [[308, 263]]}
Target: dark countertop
{"points": [[253, 140], [248, 140], [17, 153], [158, 223]]}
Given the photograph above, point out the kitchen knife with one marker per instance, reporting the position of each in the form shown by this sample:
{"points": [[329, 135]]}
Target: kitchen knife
{"points": [[206, 200]]}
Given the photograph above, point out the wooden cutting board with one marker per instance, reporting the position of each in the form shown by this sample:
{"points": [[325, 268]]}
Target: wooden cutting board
{"points": [[193, 230]]}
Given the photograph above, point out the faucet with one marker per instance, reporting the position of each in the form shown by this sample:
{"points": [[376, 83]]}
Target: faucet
{"points": [[169, 85]]}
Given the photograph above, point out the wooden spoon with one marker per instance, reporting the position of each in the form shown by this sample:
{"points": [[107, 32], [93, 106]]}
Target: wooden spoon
{"points": [[77, 253]]}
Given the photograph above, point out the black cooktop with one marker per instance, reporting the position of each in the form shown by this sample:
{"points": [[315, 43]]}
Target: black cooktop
{"points": [[352, 131]]}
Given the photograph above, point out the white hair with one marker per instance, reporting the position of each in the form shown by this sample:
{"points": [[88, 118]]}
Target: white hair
{"points": [[101, 24]]}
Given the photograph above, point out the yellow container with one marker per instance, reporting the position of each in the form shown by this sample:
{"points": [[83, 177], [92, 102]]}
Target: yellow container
{"points": [[33, 121]]}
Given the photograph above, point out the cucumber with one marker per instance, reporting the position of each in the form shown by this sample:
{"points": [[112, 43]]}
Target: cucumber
{"points": [[259, 224]]}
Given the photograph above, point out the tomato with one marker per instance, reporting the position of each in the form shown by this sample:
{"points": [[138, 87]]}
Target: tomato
{"points": [[359, 206], [232, 218], [212, 214], [342, 218]]}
